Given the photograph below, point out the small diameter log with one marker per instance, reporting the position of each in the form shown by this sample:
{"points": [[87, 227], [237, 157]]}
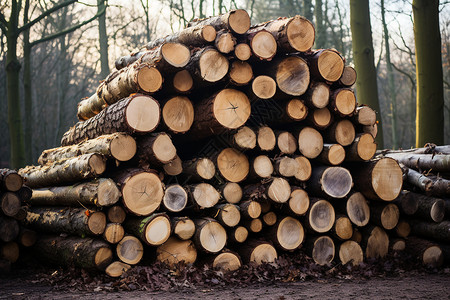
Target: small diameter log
{"points": [[118, 145], [254, 225], [397, 245], [156, 149], [227, 261], [436, 163], [304, 170], [310, 142], [298, 202], [430, 230], [231, 192], [403, 229], [199, 169], [334, 182], [263, 87], [258, 252], [25, 193], [266, 138], [66, 171], [320, 118], [142, 191], [321, 249], [27, 237], [178, 114], [342, 228], [362, 148], [243, 139], [241, 73], [292, 34], [286, 142], [237, 234], [262, 43], [242, 51], [326, 65], [227, 214], [174, 168], [207, 66], [269, 219], [375, 242], [342, 132], [10, 251], [130, 250], [238, 21], [175, 251], [250, 209], [287, 233], [320, 216], [10, 180], [431, 185], [10, 204], [291, 75], [350, 252], [182, 83], [203, 195], [277, 189], [380, 179], [117, 269], [135, 114], [99, 192], [385, 215], [232, 165], [153, 230], [228, 109], [356, 208], [348, 77], [209, 236], [286, 166], [175, 198], [116, 214], [9, 229], [364, 115], [225, 41], [332, 154], [429, 253], [296, 110], [86, 253], [77, 221], [114, 233], [183, 228], [317, 95], [199, 35], [343, 102]]}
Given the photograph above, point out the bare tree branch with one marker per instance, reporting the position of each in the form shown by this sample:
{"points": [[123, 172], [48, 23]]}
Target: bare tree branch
{"points": [[411, 78], [45, 14]]}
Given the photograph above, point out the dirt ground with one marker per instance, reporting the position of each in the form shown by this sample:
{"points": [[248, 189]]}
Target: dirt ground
{"points": [[413, 285]]}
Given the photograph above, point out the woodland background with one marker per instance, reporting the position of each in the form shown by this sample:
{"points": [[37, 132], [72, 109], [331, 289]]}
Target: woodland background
{"points": [[64, 48]]}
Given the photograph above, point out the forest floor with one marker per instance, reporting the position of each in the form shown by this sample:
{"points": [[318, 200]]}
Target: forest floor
{"points": [[395, 277]]}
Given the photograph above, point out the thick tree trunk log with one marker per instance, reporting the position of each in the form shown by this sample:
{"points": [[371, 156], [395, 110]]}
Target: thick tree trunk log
{"points": [[203, 195], [199, 169], [135, 114], [231, 192], [332, 154], [178, 114], [237, 234], [120, 146], [10, 204], [334, 182], [350, 252], [198, 36], [232, 165], [291, 74], [66, 171], [425, 162], [342, 132], [305, 169], [99, 192], [130, 250], [277, 189], [326, 65], [380, 179], [77, 221], [363, 148], [207, 66], [258, 252], [428, 208], [407, 203], [153, 230], [429, 253], [10, 180], [114, 233], [155, 149], [225, 41], [310, 142], [176, 251], [117, 269], [84, 253], [364, 115], [375, 242], [242, 51], [116, 214], [343, 102], [9, 229], [182, 83], [321, 249], [142, 191], [241, 73], [320, 216], [183, 228], [209, 236], [384, 215], [430, 230], [317, 95], [287, 233], [175, 198], [238, 21]]}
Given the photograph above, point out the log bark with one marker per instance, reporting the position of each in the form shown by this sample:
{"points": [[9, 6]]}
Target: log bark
{"points": [[142, 191], [9, 229], [25, 193], [425, 162], [175, 198], [99, 192], [332, 154], [326, 65], [428, 208], [430, 230], [305, 169], [116, 214], [153, 230], [378, 179], [199, 169], [10, 180], [77, 221], [209, 236], [375, 242], [238, 21], [155, 149], [277, 190], [84, 253], [310, 142], [183, 228], [317, 95], [176, 251], [231, 192], [343, 102], [225, 41], [130, 250], [350, 252], [258, 252], [135, 114], [342, 132], [178, 114], [407, 203], [385, 215], [113, 233], [10, 204], [66, 171], [291, 74], [430, 185], [117, 269], [362, 148], [321, 249], [287, 233], [334, 182], [320, 216], [198, 36], [203, 195], [428, 253], [118, 145]]}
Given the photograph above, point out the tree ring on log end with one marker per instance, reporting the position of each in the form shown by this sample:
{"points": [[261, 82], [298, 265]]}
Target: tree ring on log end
{"points": [[178, 114], [233, 165], [321, 216], [433, 256], [97, 222], [182, 81], [296, 110], [176, 54], [158, 230], [209, 33], [263, 253], [387, 179], [279, 190], [103, 258], [264, 45], [299, 202], [123, 147], [142, 114], [264, 87], [149, 79], [331, 65], [227, 261], [239, 21], [293, 76], [231, 108], [143, 193], [213, 237], [213, 65], [336, 182], [323, 250], [290, 233], [300, 34], [358, 210], [351, 252], [130, 250], [232, 192]]}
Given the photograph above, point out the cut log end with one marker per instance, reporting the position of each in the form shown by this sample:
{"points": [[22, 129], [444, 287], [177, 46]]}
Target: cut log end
{"points": [[365, 115], [231, 108], [345, 102], [242, 51], [149, 79], [351, 252], [293, 76], [320, 95], [264, 87], [157, 230], [344, 132], [239, 21], [232, 192], [117, 269], [176, 54], [227, 261], [240, 234], [211, 236], [348, 77], [296, 110], [107, 193], [209, 33], [163, 148], [241, 73], [358, 210], [178, 114], [12, 181], [321, 216], [310, 142], [123, 147], [335, 154], [321, 118], [299, 202], [225, 42], [130, 250], [213, 66], [263, 253], [323, 250], [114, 233], [264, 45], [184, 229], [245, 138], [233, 165], [229, 215], [389, 216], [300, 34], [182, 81], [10, 204], [103, 258], [269, 218], [142, 114], [279, 190], [175, 198], [205, 195], [336, 182], [343, 228], [304, 170], [387, 179], [330, 65], [266, 138], [290, 233], [286, 166], [366, 147], [377, 243], [175, 251], [116, 214], [174, 168], [97, 222], [97, 163], [287, 143]]}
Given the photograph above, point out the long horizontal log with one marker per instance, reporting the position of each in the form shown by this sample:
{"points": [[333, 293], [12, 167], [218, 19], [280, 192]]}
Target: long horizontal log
{"points": [[431, 230], [237, 21], [10, 180], [425, 162], [198, 35], [430, 185], [66, 171]]}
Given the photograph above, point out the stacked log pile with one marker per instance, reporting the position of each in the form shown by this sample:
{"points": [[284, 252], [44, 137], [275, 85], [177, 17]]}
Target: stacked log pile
{"points": [[13, 236], [223, 143]]}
